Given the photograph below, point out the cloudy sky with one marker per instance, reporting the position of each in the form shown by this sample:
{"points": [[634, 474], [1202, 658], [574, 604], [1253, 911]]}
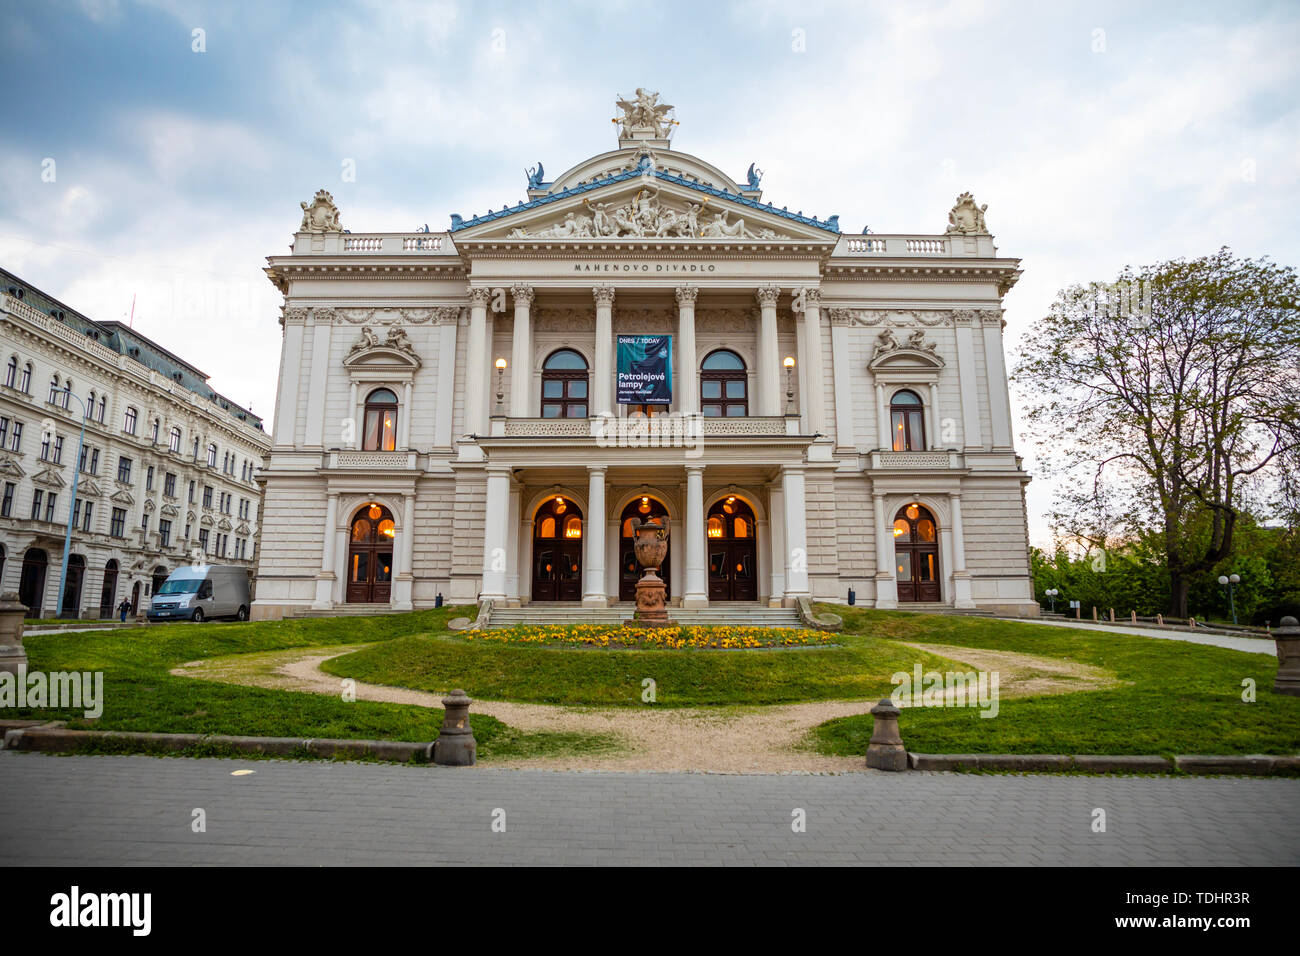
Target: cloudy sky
{"points": [[1098, 133]]}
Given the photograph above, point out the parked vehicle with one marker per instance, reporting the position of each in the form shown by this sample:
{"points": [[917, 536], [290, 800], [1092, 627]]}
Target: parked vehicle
{"points": [[198, 592]]}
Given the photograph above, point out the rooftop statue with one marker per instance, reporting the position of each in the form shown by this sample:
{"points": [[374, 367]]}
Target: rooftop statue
{"points": [[321, 216], [645, 112]]}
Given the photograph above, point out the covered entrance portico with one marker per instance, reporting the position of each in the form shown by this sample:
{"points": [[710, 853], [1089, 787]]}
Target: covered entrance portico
{"points": [[735, 516]]}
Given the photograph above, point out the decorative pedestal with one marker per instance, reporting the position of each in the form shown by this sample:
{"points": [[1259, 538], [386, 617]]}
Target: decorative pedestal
{"points": [[651, 600], [455, 746], [651, 547], [1287, 636], [886, 750], [13, 658]]}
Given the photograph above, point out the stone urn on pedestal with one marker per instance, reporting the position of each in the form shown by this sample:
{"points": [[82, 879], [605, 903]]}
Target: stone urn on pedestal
{"points": [[13, 658], [650, 541]]}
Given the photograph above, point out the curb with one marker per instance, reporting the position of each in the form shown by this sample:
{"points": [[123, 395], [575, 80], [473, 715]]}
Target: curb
{"points": [[1254, 764], [53, 738]]}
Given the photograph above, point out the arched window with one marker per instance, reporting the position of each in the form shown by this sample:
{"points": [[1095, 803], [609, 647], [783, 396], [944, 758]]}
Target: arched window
{"points": [[11, 371], [564, 385], [907, 416], [724, 386], [174, 440], [25, 384], [54, 389], [129, 420], [67, 392], [90, 405], [103, 408], [380, 432], [212, 455]]}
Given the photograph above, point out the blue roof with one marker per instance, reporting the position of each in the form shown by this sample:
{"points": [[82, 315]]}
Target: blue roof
{"points": [[831, 225]]}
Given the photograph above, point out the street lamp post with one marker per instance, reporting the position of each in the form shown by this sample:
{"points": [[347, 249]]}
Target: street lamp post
{"points": [[789, 384], [1230, 582], [72, 504], [1051, 596]]}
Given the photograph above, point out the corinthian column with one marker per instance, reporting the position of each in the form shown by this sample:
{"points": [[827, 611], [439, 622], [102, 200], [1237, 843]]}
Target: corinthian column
{"points": [[476, 363], [688, 377], [603, 374], [814, 371], [521, 372], [769, 361]]}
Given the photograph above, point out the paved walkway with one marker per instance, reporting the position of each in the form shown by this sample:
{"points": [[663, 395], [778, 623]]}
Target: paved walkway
{"points": [[1253, 645], [122, 810]]}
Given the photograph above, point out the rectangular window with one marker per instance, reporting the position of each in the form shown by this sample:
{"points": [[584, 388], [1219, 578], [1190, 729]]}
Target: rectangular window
{"points": [[117, 527], [203, 540], [76, 513], [16, 443], [7, 505], [58, 450], [169, 485], [144, 522], [192, 492], [46, 441], [49, 506], [124, 470], [148, 479], [207, 496], [4, 431], [128, 421], [187, 532], [94, 461], [86, 515], [37, 497], [164, 533], [81, 463]]}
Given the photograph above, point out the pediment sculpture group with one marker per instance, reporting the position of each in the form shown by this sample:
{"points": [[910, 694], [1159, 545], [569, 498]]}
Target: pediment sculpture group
{"points": [[645, 217], [886, 341], [396, 339]]}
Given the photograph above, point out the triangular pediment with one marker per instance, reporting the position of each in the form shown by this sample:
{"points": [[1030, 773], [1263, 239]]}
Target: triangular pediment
{"points": [[170, 510], [648, 205], [50, 477], [88, 488], [242, 529], [206, 521], [122, 497], [10, 467], [224, 524]]}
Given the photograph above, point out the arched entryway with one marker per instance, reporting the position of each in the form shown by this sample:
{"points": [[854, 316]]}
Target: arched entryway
{"points": [[916, 554], [370, 555], [31, 586], [135, 598], [76, 576], [108, 592], [159, 578], [732, 551], [629, 572], [557, 551]]}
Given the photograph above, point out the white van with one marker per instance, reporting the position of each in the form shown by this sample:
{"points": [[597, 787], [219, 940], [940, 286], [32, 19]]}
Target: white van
{"points": [[196, 592]]}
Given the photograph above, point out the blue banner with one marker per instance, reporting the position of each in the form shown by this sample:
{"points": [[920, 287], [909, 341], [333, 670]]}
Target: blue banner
{"points": [[645, 369]]}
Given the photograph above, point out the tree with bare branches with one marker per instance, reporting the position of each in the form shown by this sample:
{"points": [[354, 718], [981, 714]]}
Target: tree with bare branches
{"points": [[1167, 401]]}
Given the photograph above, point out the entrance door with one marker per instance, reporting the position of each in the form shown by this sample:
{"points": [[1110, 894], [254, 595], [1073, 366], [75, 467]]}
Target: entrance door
{"points": [[916, 554], [732, 551], [557, 551], [370, 555], [629, 572], [108, 593], [31, 586]]}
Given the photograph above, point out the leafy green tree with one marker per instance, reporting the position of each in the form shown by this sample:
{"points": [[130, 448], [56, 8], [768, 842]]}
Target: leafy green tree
{"points": [[1164, 400]]}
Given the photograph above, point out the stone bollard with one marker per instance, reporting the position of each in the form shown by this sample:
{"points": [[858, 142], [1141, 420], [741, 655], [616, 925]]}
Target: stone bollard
{"points": [[1160, 620], [13, 658], [1133, 617], [1112, 615], [886, 751], [1191, 622], [455, 746], [1287, 637], [1094, 612]]}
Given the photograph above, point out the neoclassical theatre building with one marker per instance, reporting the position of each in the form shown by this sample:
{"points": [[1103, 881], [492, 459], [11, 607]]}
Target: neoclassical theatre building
{"points": [[478, 414]]}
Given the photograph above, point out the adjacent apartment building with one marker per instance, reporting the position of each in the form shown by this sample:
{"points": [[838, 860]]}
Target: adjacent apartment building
{"points": [[167, 472], [483, 412]]}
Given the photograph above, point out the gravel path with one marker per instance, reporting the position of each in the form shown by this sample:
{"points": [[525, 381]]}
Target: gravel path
{"points": [[723, 739]]}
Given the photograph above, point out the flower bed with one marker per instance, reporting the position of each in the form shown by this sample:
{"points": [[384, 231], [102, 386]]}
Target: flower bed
{"points": [[679, 637]]}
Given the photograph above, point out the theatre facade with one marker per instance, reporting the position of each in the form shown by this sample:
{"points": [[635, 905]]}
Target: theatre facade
{"points": [[478, 414]]}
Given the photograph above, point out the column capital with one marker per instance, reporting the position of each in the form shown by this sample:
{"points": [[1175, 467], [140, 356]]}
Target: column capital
{"points": [[812, 295], [767, 294], [479, 296], [597, 469], [792, 469], [522, 294], [694, 469], [687, 294], [603, 293]]}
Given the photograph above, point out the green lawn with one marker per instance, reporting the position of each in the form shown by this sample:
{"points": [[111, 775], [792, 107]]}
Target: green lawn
{"points": [[1183, 699], [860, 667], [140, 694]]}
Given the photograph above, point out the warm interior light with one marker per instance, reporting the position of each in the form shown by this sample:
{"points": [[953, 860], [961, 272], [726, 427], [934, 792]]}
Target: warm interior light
{"points": [[375, 511], [897, 532], [912, 512], [715, 532], [731, 499]]}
